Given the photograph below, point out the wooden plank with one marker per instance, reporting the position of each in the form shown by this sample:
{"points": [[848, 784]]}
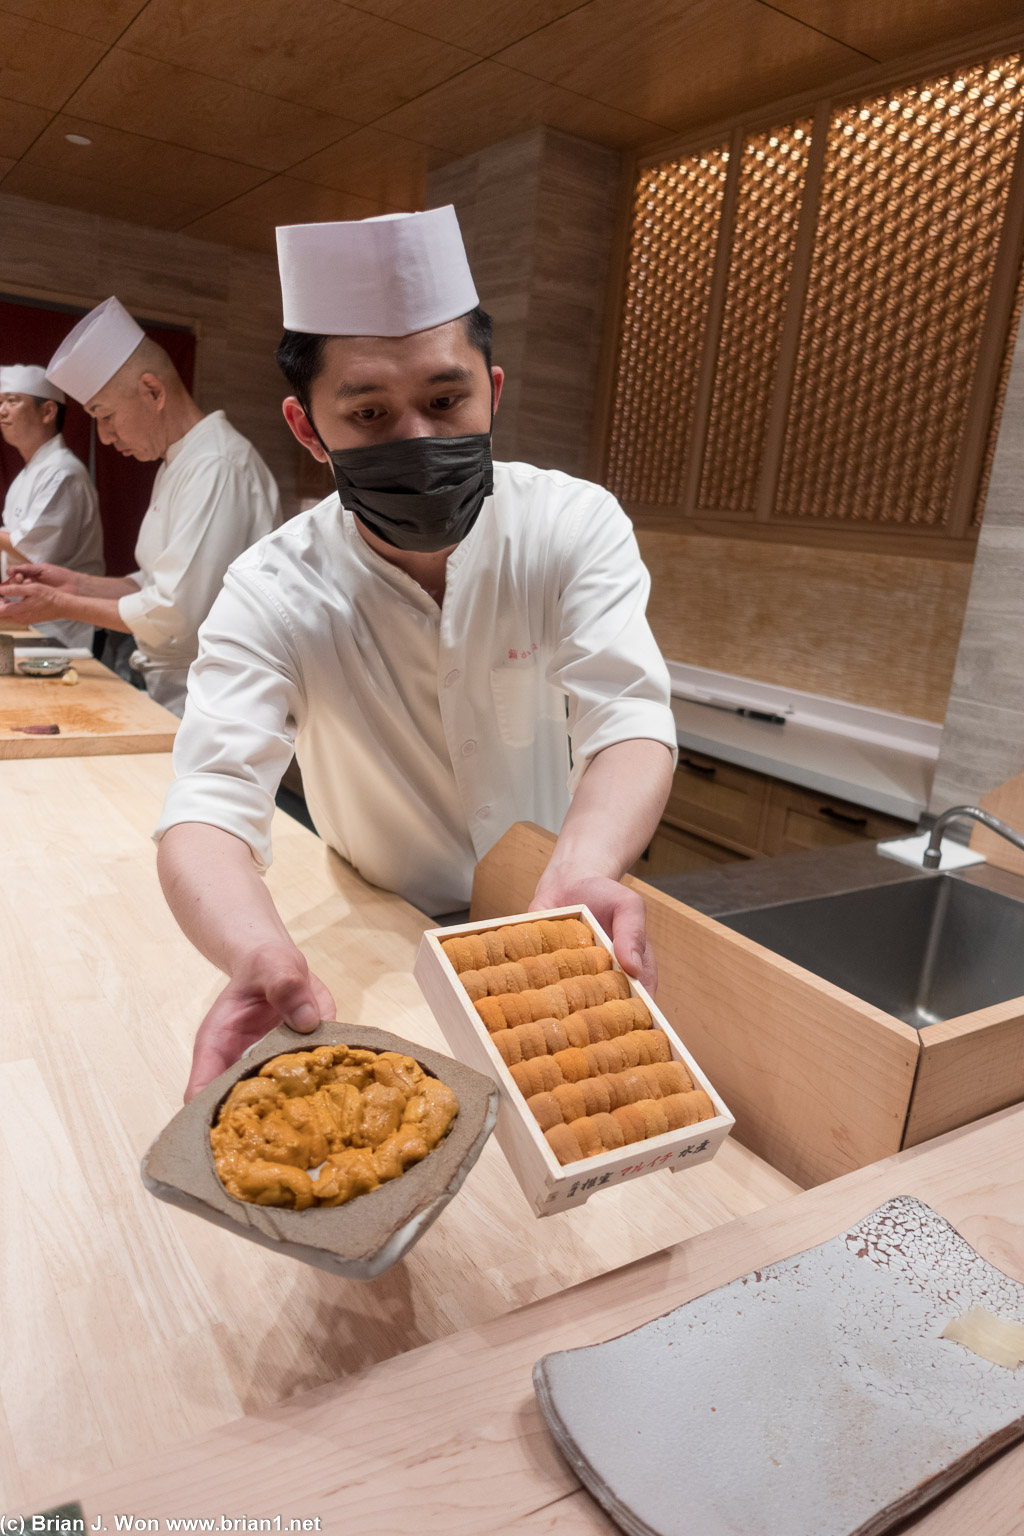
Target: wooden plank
{"points": [[145, 1325], [970, 1066], [1006, 802], [480, 1460], [98, 715], [819, 1082]]}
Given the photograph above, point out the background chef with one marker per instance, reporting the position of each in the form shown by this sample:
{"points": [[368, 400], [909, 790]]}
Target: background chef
{"points": [[451, 647], [51, 511], [213, 496]]}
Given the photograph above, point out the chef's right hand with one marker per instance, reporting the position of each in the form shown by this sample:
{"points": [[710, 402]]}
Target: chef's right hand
{"points": [[46, 575], [272, 986]]}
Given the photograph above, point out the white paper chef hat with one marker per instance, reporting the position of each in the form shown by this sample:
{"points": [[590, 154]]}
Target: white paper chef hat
{"points": [[93, 352], [29, 379], [388, 276]]}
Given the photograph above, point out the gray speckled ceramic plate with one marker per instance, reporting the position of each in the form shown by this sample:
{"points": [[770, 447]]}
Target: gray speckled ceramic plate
{"points": [[812, 1398]]}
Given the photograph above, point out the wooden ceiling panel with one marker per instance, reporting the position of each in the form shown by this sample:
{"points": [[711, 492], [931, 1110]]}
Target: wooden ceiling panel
{"points": [[229, 116], [251, 219], [144, 167], [888, 31], [178, 106], [682, 64], [42, 65], [102, 196], [330, 56], [19, 125], [374, 165], [104, 20], [489, 103], [481, 28]]}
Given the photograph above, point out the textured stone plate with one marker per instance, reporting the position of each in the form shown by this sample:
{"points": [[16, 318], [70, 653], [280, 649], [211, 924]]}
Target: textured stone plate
{"points": [[812, 1398], [358, 1240]]}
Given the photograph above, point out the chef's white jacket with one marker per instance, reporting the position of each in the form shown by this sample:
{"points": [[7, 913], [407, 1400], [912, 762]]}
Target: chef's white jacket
{"points": [[213, 496], [52, 514], [422, 732]]}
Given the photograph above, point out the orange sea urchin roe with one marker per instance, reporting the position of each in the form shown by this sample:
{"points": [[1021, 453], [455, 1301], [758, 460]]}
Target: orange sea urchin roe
{"points": [[359, 1117]]}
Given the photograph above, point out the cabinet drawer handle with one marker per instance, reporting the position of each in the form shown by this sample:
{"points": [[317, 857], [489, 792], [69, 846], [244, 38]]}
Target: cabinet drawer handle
{"points": [[705, 771], [847, 821]]}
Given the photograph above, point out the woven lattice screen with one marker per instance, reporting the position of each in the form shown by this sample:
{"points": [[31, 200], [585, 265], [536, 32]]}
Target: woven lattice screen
{"points": [[676, 219], [814, 355], [768, 198]]}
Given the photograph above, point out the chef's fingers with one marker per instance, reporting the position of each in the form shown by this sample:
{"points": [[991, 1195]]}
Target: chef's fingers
{"points": [[288, 988], [328, 1008], [629, 938], [233, 1023]]}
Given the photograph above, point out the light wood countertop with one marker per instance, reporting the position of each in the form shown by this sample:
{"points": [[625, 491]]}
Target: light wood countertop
{"points": [[130, 1325], [449, 1439]]}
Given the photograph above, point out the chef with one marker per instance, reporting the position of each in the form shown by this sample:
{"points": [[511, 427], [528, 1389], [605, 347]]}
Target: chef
{"points": [[213, 496], [452, 646], [51, 512]]}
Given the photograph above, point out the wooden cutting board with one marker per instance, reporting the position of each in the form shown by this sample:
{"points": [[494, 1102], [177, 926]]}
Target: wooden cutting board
{"points": [[814, 1397], [100, 715]]}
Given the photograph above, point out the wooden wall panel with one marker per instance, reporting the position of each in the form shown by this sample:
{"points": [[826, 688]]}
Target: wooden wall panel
{"points": [[969, 1067], [229, 297], [873, 629]]}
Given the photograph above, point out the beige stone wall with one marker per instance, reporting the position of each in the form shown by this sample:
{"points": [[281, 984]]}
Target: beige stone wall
{"points": [[983, 735], [874, 629], [229, 297], [538, 216]]}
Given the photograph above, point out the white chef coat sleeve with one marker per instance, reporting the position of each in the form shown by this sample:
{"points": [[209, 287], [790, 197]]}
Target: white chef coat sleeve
{"points": [[211, 501], [52, 530], [237, 735], [606, 660]]}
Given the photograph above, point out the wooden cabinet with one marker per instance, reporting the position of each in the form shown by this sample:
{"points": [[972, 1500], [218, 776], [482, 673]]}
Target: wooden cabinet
{"points": [[798, 819], [718, 800], [717, 811], [674, 852]]}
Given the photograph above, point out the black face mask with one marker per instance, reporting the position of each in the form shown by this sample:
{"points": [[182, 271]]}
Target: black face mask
{"points": [[416, 493]]}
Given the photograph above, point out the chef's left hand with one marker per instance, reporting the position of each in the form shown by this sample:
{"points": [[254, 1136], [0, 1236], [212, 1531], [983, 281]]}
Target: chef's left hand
{"points": [[35, 602], [619, 911]]}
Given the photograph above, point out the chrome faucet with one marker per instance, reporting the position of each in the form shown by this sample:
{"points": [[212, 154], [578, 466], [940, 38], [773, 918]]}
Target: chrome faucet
{"points": [[933, 853]]}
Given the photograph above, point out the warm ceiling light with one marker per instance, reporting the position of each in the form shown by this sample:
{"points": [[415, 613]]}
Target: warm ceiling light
{"points": [[77, 138]]}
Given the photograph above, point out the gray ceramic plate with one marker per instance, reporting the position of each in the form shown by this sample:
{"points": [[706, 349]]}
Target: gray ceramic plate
{"points": [[366, 1236], [812, 1398]]}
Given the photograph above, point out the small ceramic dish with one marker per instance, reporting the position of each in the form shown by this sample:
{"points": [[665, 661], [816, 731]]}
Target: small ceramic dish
{"points": [[43, 666], [366, 1236]]}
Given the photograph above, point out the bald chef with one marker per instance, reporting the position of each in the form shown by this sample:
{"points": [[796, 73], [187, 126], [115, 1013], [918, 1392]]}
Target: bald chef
{"points": [[452, 646], [213, 496], [51, 512]]}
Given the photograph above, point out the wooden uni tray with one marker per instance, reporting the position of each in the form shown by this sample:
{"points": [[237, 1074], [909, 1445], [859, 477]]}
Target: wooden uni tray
{"points": [[547, 1184]]}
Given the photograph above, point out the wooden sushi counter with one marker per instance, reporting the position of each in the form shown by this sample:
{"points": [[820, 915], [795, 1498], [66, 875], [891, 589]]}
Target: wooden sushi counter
{"points": [[140, 1327], [464, 1451]]}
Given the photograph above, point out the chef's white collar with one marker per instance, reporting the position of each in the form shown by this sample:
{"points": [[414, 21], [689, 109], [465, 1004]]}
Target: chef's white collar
{"points": [[51, 445], [175, 448]]}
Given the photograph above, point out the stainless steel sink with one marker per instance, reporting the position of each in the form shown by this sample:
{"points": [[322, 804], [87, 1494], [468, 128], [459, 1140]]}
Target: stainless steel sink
{"points": [[923, 950]]}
